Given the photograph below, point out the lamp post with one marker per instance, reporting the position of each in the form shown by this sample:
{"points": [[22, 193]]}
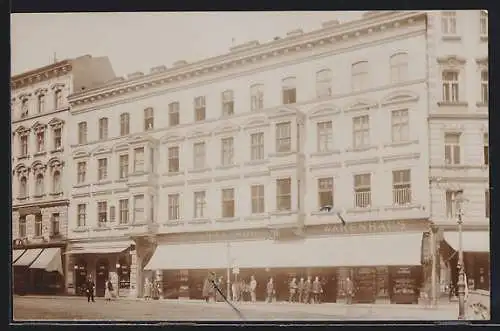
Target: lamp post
{"points": [[459, 200]]}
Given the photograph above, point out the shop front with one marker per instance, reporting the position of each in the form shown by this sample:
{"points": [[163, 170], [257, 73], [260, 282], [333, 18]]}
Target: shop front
{"points": [[382, 258]]}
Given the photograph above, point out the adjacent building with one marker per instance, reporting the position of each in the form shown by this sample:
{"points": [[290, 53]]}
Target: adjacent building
{"points": [[40, 187]]}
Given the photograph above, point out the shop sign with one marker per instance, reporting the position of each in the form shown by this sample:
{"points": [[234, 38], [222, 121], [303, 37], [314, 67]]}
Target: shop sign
{"points": [[218, 236], [366, 227]]}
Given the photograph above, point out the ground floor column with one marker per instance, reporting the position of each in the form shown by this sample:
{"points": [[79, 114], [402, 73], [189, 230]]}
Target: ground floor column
{"points": [[69, 274], [159, 279], [135, 274]]}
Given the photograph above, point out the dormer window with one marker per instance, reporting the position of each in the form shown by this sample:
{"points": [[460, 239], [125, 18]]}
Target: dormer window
{"points": [[227, 103], [148, 119]]}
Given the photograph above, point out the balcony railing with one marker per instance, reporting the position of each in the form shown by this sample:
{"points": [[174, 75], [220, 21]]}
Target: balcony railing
{"points": [[362, 199], [401, 196]]}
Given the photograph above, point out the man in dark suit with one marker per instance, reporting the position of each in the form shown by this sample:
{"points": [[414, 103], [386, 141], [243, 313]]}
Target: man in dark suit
{"points": [[308, 290], [89, 289]]}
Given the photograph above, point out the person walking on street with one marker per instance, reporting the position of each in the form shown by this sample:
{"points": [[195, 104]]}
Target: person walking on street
{"points": [[270, 291], [301, 288], [253, 288], [108, 290], [349, 290], [147, 289], [316, 289], [207, 289], [293, 289], [308, 290], [89, 289]]}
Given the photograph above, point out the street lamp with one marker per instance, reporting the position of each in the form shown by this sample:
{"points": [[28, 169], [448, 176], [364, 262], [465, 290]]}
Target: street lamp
{"points": [[459, 202]]}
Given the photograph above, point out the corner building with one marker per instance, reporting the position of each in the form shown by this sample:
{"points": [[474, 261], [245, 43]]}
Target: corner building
{"points": [[40, 183], [224, 164]]}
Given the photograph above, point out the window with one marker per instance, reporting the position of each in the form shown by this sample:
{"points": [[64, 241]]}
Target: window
{"points": [[41, 103], [82, 170], [401, 187], [325, 192], [199, 108], [451, 196], [324, 83], [289, 90], [57, 138], [450, 86], [56, 182], [102, 213], [22, 227], [173, 114], [23, 187], [39, 187], [139, 159], [284, 137], [24, 108], [258, 205], [361, 131], [362, 191], [199, 204], [123, 171], [82, 215], [284, 194], [227, 103], [112, 214], [399, 67], [139, 209], [359, 75], [228, 202], [400, 125], [199, 155], [173, 207], [38, 225], [487, 203], [55, 224], [256, 97], [325, 136], [102, 171], [103, 128], [227, 152], [124, 124], [257, 146], [24, 145], [149, 119], [82, 133], [40, 141], [483, 24], [452, 148], [449, 22], [123, 205], [486, 149], [58, 99], [484, 86], [173, 159]]}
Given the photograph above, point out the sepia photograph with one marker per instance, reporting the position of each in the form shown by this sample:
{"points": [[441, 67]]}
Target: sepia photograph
{"points": [[250, 166]]}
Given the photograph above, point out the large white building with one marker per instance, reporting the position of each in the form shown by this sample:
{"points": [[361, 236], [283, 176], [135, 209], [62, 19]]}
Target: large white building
{"points": [[40, 184], [227, 162]]}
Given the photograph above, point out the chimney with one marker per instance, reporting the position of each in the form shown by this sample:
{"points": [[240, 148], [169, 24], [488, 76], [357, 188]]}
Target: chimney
{"points": [[158, 69], [294, 33], [180, 63], [135, 75], [329, 24], [245, 46]]}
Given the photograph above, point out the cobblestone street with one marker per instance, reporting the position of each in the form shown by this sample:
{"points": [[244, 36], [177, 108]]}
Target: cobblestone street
{"points": [[77, 308]]}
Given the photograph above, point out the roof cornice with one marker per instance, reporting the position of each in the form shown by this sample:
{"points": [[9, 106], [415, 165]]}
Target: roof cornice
{"points": [[40, 74], [281, 47]]}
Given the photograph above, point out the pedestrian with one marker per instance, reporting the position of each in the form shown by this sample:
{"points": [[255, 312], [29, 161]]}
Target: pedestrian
{"points": [[316, 290], [155, 291], [89, 289], [217, 296], [292, 286], [253, 288], [349, 290], [308, 290], [270, 291], [234, 291], [108, 290], [147, 289], [300, 289], [206, 291]]}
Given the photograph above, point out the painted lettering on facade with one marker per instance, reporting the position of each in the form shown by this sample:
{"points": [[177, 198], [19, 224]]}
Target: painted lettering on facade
{"points": [[366, 227]]}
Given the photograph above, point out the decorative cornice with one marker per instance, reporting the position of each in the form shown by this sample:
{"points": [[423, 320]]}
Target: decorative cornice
{"points": [[40, 74], [40, 91], [361, 105], [458, 116], [482, 61], [399, 97], [319, 38], [452, 61], [56, 122], [324, 110]]}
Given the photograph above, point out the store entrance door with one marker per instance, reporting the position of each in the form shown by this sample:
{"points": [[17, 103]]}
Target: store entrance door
{"points": [[102, 273], [365, 280]]}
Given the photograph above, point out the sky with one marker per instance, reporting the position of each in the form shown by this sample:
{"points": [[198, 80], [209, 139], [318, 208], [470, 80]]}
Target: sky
{"points": [[139, 41]]}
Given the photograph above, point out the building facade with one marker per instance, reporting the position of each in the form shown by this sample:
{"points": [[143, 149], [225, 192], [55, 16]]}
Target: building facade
{"points": [[226, 164], [458, 140], [40, 185]]}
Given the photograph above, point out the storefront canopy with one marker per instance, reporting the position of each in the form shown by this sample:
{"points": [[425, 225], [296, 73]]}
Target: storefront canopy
{"points": [[100, 248], [361, 250], [28, 257], [16, 253], [472, 241], [49, 260]]}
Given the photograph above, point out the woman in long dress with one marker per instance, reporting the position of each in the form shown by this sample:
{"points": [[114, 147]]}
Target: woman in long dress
{"points": [[108, 290], [147, 289]]}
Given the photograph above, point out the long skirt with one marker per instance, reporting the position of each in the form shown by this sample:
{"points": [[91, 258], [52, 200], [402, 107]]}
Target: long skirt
{"points": [[107, 294]]}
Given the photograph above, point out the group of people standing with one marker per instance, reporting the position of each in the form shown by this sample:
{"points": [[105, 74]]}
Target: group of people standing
{"points": [[152, 290], [109, 292]]}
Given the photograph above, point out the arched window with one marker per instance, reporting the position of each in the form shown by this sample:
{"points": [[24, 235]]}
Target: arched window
{"points": [[39, 185], [289, 87], [399, 67], [324, 83], [23, 187], [359, 73], [124, 124], [56, 182]]}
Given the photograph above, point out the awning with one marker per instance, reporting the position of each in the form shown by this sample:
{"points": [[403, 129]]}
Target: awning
{"points": [[16, 253], [100, 248], [49, 260], [472, 241], [28, 257], [362, 250]]}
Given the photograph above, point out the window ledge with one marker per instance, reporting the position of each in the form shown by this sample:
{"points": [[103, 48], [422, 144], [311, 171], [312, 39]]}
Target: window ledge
{"points": [[173, 222], [481, 104], [173, 173], [483, 38], [81, 185], [121, 227], [23, 198], [401, 143], [101, 228], [37, 238], [453, 104], [40, 153], [199, 221], [323, 213], [362, 209], [23, 157], [283, 212], [361, 148], [405, 206], [227, 219], [81, 229], [38, 196], [121, 180], [138, 173], [282, 154], [195, 171], [256, 162], [257, 217], [227, 166], [451, 38], [58, 150], [55, 194], [103, 182], [326, 153]]}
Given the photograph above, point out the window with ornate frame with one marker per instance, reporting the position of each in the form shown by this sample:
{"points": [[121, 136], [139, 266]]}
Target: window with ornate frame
{"points": [[174, 113], [227, 103], [124, 124], [256, 97]]}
